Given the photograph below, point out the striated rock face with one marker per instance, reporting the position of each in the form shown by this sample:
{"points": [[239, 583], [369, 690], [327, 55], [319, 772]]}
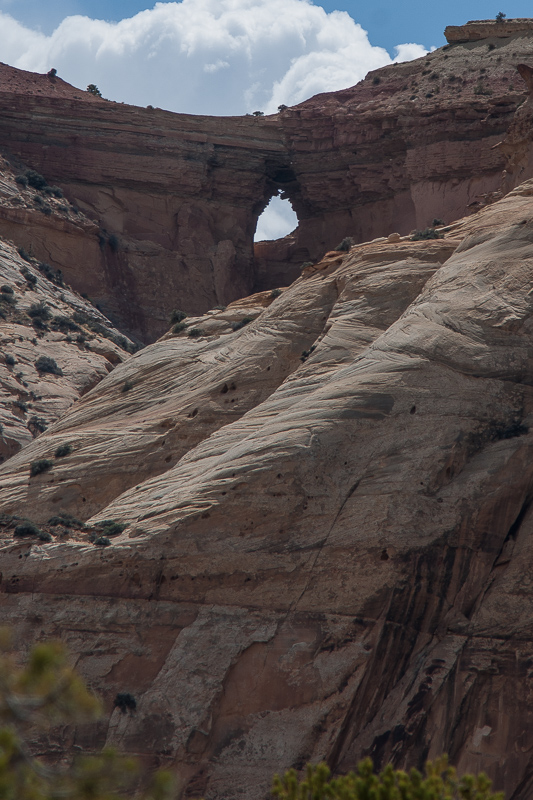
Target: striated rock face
{"points": [[174, 199], [327, 551], [42, 318]]}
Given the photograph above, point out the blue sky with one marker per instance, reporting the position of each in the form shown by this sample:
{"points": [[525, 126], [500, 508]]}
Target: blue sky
{"points": [[388, 22]]}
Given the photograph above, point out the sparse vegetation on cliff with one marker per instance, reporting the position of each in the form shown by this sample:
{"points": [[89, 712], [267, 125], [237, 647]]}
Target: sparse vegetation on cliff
{"points": [[439, 781]]}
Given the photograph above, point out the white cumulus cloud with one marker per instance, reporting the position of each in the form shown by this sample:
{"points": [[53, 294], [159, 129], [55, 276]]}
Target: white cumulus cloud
{"points": [[206, 56]]}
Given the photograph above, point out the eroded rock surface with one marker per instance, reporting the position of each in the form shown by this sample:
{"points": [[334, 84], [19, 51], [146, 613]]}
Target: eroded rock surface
{"points": [[337, 563], [174, 199]]}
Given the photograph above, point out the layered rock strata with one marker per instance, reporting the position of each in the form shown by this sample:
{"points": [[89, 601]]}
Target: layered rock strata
{"points": [[175, 199], [335, 564]]}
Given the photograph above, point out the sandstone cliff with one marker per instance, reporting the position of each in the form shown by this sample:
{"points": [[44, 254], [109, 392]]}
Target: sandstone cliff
{"points": [[175, 199], [328, 521]]}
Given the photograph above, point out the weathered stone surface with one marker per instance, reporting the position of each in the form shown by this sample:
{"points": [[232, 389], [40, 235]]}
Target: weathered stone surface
{"points": [[478, 29], [175, 199], [336, 565]]}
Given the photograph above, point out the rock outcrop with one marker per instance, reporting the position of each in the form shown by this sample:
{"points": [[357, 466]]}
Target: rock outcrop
{"points": [[55, 346], [174, 199], [328, 521]]}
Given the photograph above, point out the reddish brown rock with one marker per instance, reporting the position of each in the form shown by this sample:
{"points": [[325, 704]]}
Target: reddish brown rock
{"points": [[175, 199]]}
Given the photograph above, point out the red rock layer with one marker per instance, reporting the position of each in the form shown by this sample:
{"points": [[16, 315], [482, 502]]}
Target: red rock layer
{"points": [[179, 196]]}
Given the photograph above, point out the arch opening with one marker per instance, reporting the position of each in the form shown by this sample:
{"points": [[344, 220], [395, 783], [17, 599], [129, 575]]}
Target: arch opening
{"points": [[277, 220]]}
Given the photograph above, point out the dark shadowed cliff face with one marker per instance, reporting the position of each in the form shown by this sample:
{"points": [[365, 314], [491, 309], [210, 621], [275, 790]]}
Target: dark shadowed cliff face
{"points": [[176, 198], [328, 543]]}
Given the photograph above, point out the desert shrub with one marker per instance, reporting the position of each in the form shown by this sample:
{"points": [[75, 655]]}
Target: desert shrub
{"points": [[63, 450], [492, 46], [125, 702], [275, 293], [67, 520], [45, 364], [30, 278], [102, 541], [126, 386], [437, 221], [10, 360], [41, 465], [112, 528], [92, 88], [52, 72], [236, 326], [62, 323], [8, 299], [427, 233], [500, 16], [438, 781], [24, 254], [282, 107], [376, 79], [39, 311], [195, 333], [306, 264], [26, 528], [21, 180], [258, 114], [480, 89], [306, 353], [35, 179], [178, 316], [345, 245], [179, 327], [6, 289], [55, 276], [37, 424]]}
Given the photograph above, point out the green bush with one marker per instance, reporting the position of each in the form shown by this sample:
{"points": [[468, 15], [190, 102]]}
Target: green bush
{"points": [[275, 293], [500, 16], [125, 701], [236, 326], [26, 528], [29, 276], [45, 364], [427, 233], [93, 89], [178, 316], [179, 327], [345, 245], [35, 179], [67, 520], [195, 333], [41, 465], [439, 782], [39, 311], [6, 289], [10, 360], [102, 541], [63, 450], [111, 528]]}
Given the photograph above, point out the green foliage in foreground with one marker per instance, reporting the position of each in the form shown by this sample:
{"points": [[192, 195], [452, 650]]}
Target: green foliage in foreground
{"points": [[439, 782], [44, 692]]}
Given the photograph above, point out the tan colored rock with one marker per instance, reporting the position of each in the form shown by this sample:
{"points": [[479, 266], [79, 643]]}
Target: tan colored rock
{"points": [[30, 399], [394, 237], [337, 565]]}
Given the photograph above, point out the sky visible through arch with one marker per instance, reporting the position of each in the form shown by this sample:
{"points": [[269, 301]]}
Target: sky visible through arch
{"points": [[225, 57]]}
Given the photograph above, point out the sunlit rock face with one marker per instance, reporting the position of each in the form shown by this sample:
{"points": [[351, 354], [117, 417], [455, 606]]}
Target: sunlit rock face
{"points": [[326, 493], [174, 199]]}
